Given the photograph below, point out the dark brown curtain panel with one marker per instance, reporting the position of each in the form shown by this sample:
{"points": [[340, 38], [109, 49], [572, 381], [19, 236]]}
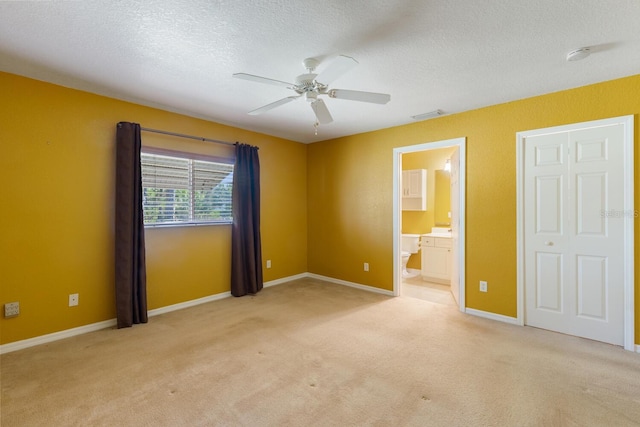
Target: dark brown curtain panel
{"points": [[246, 250], [131, 276]]}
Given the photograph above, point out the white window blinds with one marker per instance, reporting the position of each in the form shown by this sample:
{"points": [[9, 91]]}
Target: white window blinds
{"points": [[179, 189]]}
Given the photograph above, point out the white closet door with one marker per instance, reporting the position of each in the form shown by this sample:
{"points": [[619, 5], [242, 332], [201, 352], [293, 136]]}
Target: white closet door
{"points": [[574, 246]]}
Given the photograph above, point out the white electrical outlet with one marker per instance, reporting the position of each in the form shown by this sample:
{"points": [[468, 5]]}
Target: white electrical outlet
{"points": [[483, 286], [73, 300], [11, 309], [366, 266], [268, 263]]}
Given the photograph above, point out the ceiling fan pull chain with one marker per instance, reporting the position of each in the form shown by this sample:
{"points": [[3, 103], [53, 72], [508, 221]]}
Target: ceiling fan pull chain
{"points": [[315, 127]]}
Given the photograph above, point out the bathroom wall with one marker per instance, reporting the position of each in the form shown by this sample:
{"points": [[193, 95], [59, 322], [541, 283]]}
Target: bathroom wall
{"points": [[420, 222], [442, 215]]}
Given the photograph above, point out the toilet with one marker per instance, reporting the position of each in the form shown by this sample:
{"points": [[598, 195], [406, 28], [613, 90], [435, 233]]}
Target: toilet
{"points": [[410, 245]]}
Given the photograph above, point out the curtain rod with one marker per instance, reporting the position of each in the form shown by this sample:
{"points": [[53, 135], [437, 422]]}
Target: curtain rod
{"points": [[181, 135]]}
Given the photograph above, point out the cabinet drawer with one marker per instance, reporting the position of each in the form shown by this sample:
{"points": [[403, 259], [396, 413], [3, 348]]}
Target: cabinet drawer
{"points": [[427, 241], [442, 242]]}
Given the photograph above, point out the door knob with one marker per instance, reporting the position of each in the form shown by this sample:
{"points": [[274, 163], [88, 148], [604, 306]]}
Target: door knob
{"points": [[548, 243]]}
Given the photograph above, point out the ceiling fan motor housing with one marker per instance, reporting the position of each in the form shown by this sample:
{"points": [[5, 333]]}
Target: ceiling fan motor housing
{"points": [[307, 85], [305, 82]]}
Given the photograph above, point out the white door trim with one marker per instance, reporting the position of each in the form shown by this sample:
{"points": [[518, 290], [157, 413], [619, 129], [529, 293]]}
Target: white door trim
{"points": [[461, 144], [628, 214]]}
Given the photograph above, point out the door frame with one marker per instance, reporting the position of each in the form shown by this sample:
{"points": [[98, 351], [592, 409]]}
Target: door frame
{"points": [[628, 214], [460, 143]]}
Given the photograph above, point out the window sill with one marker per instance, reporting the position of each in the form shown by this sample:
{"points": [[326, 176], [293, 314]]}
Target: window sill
{"points": [[187, 224]]}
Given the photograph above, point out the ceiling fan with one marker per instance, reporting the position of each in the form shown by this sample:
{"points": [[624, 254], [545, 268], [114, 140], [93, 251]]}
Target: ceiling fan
{"points": [[311, 85]]}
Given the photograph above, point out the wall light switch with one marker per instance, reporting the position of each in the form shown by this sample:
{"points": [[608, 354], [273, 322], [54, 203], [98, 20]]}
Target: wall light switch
{"points": [[483, 286], [268, 263]]}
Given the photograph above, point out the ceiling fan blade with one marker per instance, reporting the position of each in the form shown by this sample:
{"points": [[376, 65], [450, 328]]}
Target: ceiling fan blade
{"points": [[321, 111], [356, 95], [265, 80], [272, 105], [338, 67]]}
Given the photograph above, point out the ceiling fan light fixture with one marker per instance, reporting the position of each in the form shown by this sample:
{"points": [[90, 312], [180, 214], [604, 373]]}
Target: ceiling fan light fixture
{"points": [[429, 115], [311, 96], [578, 54]]}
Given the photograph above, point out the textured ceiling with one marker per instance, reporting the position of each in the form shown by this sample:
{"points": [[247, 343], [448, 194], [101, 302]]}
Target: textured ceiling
{"points": [[453, 55]]}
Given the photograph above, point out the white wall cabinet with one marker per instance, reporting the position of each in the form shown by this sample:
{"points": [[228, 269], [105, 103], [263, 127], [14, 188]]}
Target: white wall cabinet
{"points": [[414, 190], [436, 259]]}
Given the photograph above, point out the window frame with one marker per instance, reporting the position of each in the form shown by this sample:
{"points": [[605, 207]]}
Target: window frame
{"points": [[185, 155]]}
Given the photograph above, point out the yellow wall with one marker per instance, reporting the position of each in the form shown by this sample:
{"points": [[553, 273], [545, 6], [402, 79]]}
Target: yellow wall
{"points": [[326, 207], [350, 189], [442, 207], [57, 157]]}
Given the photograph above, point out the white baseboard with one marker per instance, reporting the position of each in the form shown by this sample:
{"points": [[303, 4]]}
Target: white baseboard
{"points": [[492, 316], [187, 304], [284, 280], [43, 339], [68, 333], [350, 284], [507, 319], [216, 297]]}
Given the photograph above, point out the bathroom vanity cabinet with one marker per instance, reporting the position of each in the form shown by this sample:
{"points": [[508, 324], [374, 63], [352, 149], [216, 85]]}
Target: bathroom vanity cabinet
{"points": [[414, 190], [436, 259]]}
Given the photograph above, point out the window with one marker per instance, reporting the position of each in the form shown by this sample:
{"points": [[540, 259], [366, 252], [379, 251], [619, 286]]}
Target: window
{"points": [[183, 188]]}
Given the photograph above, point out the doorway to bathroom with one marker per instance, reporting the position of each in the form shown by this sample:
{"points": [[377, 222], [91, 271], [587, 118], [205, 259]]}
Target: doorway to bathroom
{"points": [[437, 222]]}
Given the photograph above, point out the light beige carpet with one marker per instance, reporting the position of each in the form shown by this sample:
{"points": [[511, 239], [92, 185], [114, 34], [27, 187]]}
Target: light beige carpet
{"points": [[416, 287], [310, 353]]}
